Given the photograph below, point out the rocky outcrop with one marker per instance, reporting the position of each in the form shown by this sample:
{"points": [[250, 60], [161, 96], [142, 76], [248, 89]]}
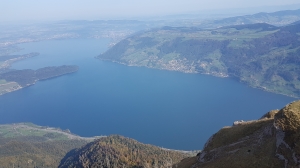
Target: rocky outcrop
{"points": [[287, 124], [272, 141]]}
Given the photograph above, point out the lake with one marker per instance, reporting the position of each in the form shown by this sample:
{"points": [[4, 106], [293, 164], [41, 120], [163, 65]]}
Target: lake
{"points": [[168, 109]]}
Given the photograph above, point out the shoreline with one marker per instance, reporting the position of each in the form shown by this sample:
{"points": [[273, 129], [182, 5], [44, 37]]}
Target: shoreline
{"points": [[15, 81], [210, 74], [16, 129]]}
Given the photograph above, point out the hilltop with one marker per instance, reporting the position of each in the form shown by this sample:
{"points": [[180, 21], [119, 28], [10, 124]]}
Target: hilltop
{"points": [[260, 55], [118, 151]]}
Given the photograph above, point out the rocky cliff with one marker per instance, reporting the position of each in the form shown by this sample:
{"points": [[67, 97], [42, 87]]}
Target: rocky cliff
{"points": [[272, 141]]}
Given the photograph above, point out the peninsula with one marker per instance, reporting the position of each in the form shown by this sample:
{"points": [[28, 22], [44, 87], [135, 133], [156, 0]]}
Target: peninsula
{"points": [[17, 79]]}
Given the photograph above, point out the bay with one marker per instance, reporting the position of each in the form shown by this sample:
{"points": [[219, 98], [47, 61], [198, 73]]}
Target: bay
{"points": [[164, 108]]}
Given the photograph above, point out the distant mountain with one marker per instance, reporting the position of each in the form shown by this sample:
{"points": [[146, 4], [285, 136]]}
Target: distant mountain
{"points": [[272, 141], [260, 55], [117, 151], [279, 18]]}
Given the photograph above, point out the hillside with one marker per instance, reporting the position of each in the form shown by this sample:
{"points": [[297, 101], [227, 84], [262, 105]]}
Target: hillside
{"points": [[272, 141], [260, 55], [117, 151], [27, 145]]}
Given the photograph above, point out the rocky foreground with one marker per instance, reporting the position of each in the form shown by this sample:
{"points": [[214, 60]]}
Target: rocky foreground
{"points": [[272, 141]]}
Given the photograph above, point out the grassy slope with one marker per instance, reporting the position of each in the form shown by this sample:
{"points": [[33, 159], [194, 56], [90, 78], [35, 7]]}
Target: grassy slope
{"points": [[29, 145]]}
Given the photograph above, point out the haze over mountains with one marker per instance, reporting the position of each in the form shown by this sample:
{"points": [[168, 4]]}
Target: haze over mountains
{"points": [[261, 50], [279, 18]]}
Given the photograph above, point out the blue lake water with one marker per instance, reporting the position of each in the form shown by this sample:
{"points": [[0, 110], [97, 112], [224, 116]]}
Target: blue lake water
{"points": [[164, 108]]}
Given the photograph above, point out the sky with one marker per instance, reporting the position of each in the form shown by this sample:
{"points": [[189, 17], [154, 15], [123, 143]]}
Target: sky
{"points": [[39, 10]]}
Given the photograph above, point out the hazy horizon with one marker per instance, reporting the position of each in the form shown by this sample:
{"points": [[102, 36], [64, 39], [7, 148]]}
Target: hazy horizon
{"points": [[30, 10]]}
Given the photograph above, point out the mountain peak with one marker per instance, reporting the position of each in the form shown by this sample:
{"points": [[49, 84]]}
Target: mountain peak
{"points": [[288, 118]]}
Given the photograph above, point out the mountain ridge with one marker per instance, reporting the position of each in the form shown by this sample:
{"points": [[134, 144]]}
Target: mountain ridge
{"points": [[279, 18]]}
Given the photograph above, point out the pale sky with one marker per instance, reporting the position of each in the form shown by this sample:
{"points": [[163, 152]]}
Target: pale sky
{"points": [[20, 10]]}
